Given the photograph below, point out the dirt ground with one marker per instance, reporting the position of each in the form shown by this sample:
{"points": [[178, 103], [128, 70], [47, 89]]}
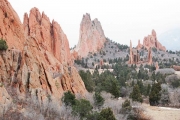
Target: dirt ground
{"points": [[161, 113]]}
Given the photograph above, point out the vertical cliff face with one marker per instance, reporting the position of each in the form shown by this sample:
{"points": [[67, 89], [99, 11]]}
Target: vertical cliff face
{"points": [[10, 26], [49, 35], [91, 36], [37, 64]]}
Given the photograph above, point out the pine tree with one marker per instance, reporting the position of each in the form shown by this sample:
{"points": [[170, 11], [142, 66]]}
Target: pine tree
{"points": [[155, 95], [136, 94]]}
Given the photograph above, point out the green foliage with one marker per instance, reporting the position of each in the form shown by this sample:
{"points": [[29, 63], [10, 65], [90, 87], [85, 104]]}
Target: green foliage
{"points": [[175, 83], [82, 107], [87, 79], [92, 63], [164, 97], [136, 95], [155, 95], [107, 114], [93, 116], [126, 106], [107, 82], [68, 98], [148, 90], [3, 45], [98, 99]]}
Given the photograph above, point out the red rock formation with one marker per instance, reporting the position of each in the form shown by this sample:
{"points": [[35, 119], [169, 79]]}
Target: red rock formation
{"points": [[49, 35], [151, 41], [134, 57], [150, 56], [10, 26], [157, 66], [175, 67], [91, 36], [139, 46], [37, 63]]}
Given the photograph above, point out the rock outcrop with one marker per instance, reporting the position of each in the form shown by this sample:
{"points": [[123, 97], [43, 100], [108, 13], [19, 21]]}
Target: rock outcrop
{"points": [[157, 66], [176, 67], [48, 35], [91, 36], [37, 64], [139, 46], [134, 56], [151, 41], [10, 26]]}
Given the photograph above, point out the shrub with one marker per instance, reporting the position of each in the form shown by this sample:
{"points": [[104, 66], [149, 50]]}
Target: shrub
{"points": [[69, 98], [3, 45], [82, 107], [126, 106], [98, 99], [107, 114], [93, 116]]}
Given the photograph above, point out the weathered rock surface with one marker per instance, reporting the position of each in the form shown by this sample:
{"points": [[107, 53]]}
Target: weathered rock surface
{"points": [[10, 26], [134, 55], [157, 66], [175, 67], [91, 36], [37, 64], [151, 41], [49, 36], [139, 46]]}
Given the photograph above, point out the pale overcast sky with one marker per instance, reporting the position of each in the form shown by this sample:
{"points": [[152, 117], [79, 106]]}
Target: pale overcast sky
{"points": [[121, 20]]}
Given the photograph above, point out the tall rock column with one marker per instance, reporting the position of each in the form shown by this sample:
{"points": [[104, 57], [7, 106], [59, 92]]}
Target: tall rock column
{"points": [[130, 54], [91, 36]]}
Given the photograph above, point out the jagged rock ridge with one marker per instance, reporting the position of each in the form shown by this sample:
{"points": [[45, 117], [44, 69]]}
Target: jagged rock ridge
{"points": [[91, 36], [37, 63], [151, 41]]}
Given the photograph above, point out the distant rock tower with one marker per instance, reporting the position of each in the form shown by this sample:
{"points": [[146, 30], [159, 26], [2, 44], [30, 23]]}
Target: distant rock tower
{"points": [[134, 57], [157, 66], [150, 56], [91, 36]]}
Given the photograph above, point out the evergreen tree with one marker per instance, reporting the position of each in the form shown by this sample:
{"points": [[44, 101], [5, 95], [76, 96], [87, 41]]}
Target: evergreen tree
{"points": [[126, 106], [148, 89], [98, 99], [82, 107], [107, 114], [87, 79], [68, 98], [136, 94], [155, 95]]}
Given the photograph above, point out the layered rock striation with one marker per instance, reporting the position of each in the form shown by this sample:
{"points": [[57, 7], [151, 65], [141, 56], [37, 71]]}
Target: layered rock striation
{"points": [[49, 35], [37, 64], [91, 36]]}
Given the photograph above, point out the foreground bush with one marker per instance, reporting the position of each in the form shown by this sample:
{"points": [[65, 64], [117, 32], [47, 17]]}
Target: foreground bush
{"points": [[82, 108], [107, 114], [98, 99], [3, 45], [68, 98]]}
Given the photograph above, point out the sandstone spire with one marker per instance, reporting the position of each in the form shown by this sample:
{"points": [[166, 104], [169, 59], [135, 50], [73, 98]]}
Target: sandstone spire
{"points": [[139, 46], [49, 35], [91, 36]]}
